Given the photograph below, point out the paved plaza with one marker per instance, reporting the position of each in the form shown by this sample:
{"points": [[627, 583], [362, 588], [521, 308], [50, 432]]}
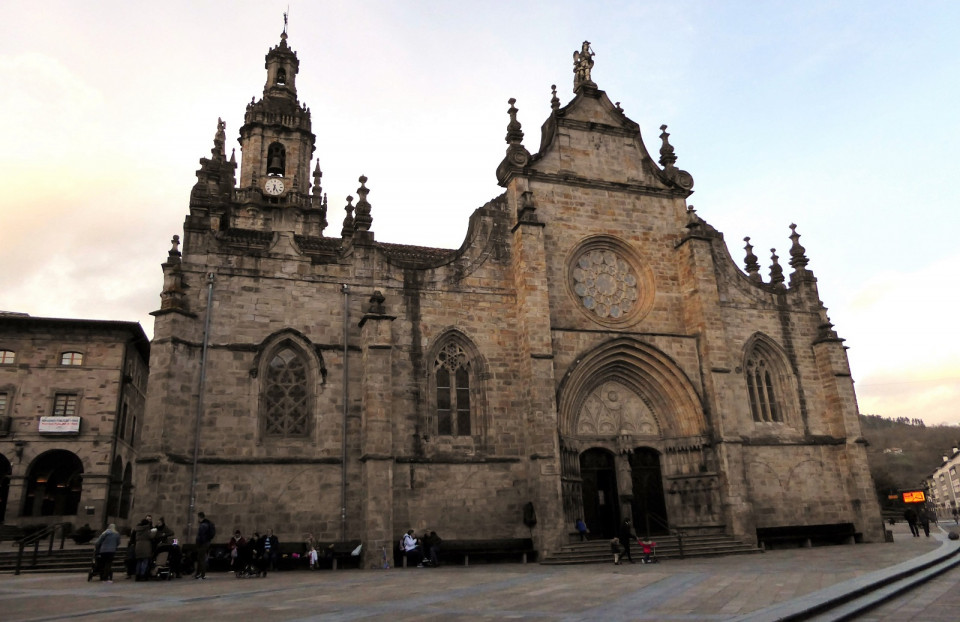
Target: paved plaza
{"points": [[692, 589]]}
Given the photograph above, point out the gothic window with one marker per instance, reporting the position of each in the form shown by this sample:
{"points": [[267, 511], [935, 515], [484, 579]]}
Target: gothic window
{"points": [[65, 405], [71, 358], [7, 357], [276, 160], [452, 371], [286, 406], [769, 386]]}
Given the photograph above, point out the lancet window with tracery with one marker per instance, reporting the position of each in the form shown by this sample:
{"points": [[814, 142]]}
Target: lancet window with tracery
{"points": [[285, 395], [764, 399], [452, 374]]}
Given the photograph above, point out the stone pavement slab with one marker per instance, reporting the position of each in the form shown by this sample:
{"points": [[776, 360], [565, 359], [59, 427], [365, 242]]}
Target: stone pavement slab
{"points": [[720, 588]]}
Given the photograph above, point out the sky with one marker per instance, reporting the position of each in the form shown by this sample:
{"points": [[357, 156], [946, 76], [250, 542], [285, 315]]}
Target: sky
{"points": [[840, 117]]}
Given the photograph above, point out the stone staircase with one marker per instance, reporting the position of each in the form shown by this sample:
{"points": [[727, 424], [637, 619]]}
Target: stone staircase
{"points": [[70, 560], [668, 547]]}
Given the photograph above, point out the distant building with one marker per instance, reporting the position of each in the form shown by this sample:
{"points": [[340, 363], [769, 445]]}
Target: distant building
{"points": [[943, 485], [590, 350], [893, 450], [71, 403]]}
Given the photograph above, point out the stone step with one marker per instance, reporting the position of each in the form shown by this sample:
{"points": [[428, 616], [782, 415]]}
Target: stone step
{"points": [[668, 547]]}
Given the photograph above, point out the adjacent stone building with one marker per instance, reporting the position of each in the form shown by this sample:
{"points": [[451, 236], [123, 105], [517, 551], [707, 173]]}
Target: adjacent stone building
{"points": [[591, 349], [72, 396]]}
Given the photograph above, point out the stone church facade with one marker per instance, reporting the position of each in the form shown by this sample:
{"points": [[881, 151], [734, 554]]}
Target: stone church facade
{"points": [[591, 350]]}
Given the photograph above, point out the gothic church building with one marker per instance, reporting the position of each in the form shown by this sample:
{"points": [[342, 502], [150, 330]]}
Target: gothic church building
{"points": [[591, 350]]}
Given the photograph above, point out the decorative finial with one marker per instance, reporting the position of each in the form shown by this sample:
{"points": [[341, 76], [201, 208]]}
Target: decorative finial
{"points": [[285, 15], [514, 133], [317, 174], [753, 265], [798, 258], [363, 220], [776, 272], [554, 101], [347, 230], [825, 331], [233, 156], [693, 221], [618, 107], [174, 248], [582, 65], [667, 156]]}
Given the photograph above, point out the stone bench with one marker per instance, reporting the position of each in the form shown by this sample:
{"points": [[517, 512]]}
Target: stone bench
{"points": [[808, 535]]}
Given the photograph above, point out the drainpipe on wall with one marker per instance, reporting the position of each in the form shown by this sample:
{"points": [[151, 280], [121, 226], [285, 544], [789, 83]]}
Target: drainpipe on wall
{"points": [[196, 436], [116, 433], [343, 435]]}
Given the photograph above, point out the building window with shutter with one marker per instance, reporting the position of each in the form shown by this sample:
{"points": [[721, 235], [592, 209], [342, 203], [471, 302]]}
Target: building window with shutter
{"points": [[65, 405]]}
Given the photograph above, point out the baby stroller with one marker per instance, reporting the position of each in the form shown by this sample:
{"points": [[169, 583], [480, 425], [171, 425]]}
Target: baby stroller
{"points": [[161, 564], [244, 563]]}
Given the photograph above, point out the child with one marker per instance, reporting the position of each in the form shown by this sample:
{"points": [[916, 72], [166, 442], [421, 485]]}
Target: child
{"points": [[615, 549], [312, 556], [648, 547]]}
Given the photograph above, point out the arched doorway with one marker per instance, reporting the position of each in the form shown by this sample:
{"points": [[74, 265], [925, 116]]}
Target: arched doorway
{"points": [[5, 472], [599, 489], [54, 485], [648, 504]]}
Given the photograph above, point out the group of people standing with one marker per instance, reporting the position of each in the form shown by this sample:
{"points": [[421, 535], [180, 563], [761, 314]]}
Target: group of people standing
{"points": [[146, 541], [423, 551]]}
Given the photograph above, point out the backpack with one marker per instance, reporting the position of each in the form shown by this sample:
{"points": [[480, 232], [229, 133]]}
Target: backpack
{"points": [[211, 529]]}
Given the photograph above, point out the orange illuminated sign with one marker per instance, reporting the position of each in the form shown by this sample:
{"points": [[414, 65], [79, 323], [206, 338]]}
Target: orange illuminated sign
{"points": [[914, 496]]}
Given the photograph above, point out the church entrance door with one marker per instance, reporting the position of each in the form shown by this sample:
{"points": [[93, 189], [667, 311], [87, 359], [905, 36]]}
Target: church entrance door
{"points": [[648, 505], [599, 486]]}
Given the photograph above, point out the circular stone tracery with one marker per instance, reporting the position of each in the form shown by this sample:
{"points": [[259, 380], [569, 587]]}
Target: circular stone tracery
{"points": [[605, 283]]}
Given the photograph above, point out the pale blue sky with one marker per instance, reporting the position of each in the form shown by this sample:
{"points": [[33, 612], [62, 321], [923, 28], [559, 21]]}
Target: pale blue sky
{"points": [[838, 116]]}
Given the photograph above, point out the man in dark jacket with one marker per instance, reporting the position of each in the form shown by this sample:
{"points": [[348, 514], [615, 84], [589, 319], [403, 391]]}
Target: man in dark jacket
{"points": [[626, 538], [205, 534], [271, 550]]}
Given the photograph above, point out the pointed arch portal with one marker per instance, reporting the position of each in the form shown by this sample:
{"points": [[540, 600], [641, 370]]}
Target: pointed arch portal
{"points": [[630, 422]]}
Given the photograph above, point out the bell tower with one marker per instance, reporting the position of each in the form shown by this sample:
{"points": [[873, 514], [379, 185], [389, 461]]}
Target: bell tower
{"points": [[276, 140]]}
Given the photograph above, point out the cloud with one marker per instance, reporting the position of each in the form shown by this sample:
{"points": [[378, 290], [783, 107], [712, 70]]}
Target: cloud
{"points": [[905, 342]]}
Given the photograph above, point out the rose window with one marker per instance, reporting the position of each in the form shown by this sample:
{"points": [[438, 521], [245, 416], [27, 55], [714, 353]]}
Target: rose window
{"points": [[605, 283]]}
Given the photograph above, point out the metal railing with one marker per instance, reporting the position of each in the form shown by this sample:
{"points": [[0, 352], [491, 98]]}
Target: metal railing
{"points": [[35, 539]]}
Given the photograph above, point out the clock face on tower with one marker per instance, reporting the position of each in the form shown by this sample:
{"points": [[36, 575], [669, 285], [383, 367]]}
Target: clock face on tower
{"points": [[273, 186]]}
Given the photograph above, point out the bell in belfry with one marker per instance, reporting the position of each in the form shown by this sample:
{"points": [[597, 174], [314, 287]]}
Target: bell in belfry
{"points": [[275, 167]]}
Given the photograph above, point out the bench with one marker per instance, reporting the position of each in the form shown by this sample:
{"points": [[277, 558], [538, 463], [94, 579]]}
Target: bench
{"points": [[520, 549], [808, 535]]}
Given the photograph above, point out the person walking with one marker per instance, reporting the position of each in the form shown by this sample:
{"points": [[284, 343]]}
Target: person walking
{"points": [[582, 529], [626, 538], [105, 550], [925, 521], [205, 534], [911, 517]]}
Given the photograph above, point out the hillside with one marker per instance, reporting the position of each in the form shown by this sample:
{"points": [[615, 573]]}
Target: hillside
{"points": [[920, 450]]}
